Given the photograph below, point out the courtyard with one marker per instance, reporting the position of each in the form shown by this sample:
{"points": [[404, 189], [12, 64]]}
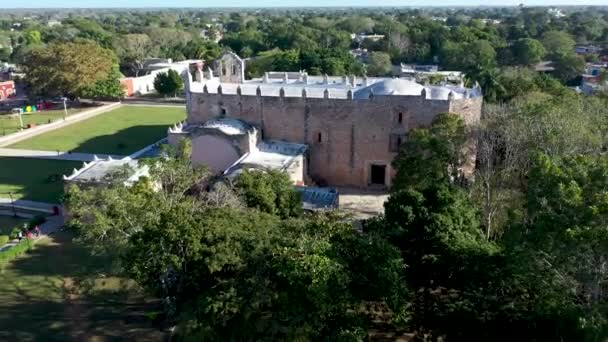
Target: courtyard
{"points": [[121, 131]]}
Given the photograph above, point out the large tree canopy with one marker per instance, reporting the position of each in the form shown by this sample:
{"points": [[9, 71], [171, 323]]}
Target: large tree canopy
{"points": [[67, 68]]}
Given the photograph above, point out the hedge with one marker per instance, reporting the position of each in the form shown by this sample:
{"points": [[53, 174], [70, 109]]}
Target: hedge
{"points": [[3, 240]]}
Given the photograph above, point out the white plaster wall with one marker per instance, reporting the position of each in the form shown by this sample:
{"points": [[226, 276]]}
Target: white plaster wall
{"points": [[214, 152]]}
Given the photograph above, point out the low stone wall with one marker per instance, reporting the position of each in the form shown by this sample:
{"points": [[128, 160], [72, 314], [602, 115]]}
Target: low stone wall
{"points": [[31, 132]]}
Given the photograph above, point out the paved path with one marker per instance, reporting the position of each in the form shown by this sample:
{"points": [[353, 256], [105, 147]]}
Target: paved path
{"points": [[28, 205], [60, 155], [31, 132], [52, 224]]}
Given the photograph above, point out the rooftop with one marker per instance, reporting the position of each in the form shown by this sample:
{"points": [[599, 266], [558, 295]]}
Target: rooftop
{"points": [[228, 126], [314, 198], [102, 170], [337, 87], [276, 155]]}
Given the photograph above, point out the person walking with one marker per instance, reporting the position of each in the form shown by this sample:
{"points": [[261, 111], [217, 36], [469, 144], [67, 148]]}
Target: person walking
{"points": [[37, 231], [20, 235]]}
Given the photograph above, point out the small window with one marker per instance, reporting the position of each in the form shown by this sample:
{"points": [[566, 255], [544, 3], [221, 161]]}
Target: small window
{"points": [[319, 137], [400, 118], [395, 142], [223, 111]]}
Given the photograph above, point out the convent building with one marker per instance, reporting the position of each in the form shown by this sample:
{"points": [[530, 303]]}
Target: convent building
{"points": [[321, 130]]}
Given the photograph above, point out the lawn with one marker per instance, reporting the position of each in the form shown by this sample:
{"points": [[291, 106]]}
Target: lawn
{"points": [[11, 124], [59, 292], [34, 179], [7, 223], [122, 131]]}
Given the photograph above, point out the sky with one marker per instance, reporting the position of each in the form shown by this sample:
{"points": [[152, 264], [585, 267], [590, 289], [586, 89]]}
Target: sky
{"points": [[284, 3]]}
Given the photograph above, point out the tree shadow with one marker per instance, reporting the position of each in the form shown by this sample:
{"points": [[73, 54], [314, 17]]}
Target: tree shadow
{"points": [[57, 293], [123, 142]]}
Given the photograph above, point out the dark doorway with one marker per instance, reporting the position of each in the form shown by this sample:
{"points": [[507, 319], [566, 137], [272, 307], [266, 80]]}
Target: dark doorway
{"points": [[377, 174]]}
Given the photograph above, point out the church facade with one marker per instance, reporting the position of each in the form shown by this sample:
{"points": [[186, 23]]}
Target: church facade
{"points": [[347, 129]]}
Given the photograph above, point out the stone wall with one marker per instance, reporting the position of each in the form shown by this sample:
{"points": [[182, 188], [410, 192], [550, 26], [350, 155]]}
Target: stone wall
{"points": [[344, 136]]}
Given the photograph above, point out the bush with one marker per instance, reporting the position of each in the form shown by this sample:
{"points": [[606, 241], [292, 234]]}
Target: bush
{"points": [[15, 251], [15, 232], [3, 240]]}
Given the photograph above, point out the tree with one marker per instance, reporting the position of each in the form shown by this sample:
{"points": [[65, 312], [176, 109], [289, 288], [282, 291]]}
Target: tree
{"points": [[5, 54], [379, 64], [67, 68], [33, 37], [431, 155], [224, 272], [269, 191], [527, 51], [133, 49], [108, 88], [568, 66], [168, 83], [558, 43]]}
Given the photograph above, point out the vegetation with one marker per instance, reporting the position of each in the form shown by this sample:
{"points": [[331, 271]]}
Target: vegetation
{"points": [[58, 291], [510, 249], [121, 131], [168, 83], [11, 124]]}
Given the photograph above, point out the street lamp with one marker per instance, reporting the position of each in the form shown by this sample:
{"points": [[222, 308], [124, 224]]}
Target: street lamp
{"points": [[10, 195], [65, 108]]}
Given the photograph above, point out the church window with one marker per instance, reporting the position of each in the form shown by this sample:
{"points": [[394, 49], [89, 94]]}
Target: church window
{"points": [[400, 117], [319, 137], [234, 69]]}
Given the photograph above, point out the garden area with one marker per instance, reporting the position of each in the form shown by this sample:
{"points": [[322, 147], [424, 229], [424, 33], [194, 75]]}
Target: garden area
{"points": [[9, 123], [34, 179], [58, 291], [121, 131]]}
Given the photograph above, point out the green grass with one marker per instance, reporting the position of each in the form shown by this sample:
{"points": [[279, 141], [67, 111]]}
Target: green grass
{"points": [[11, 124], [59, 292], [34, 179], [7, 223], [122, 131]]}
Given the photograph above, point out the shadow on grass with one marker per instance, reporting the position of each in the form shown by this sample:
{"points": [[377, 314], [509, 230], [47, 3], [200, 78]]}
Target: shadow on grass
{"points": [[34, 179], [123, 142], [56, 293]]}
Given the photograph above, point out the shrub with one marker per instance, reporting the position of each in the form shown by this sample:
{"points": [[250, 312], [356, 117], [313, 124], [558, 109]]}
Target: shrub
{"points": [[3, 240], [15, 232]]}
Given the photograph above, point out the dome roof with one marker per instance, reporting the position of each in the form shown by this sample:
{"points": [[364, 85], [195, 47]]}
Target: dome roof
{"points": [[228, 126], [391, 86]]}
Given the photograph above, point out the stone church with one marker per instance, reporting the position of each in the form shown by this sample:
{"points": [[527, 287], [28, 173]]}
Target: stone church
{"points": [[321, 130]]}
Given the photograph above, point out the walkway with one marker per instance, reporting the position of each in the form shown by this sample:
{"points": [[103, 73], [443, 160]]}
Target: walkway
{"points": [[27, 205], [52, 224], [59, 155]]}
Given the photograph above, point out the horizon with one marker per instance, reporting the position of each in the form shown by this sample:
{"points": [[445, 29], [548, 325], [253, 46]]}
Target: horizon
{"points": [[285, 4]]}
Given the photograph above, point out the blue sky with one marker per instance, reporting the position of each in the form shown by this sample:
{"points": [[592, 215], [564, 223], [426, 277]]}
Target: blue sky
{"points": [[283, 3]]}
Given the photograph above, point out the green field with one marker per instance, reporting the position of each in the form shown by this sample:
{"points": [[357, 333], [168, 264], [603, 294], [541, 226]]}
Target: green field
{"points": [[59, 292], [34, 179], [11, 124], [122, 131]]}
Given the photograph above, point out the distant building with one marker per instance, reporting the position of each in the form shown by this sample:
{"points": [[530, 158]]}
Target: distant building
{"points": [[53, 23], [145, 84], [588, 49], [422, 73], [362, 37], [556, 12]]}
